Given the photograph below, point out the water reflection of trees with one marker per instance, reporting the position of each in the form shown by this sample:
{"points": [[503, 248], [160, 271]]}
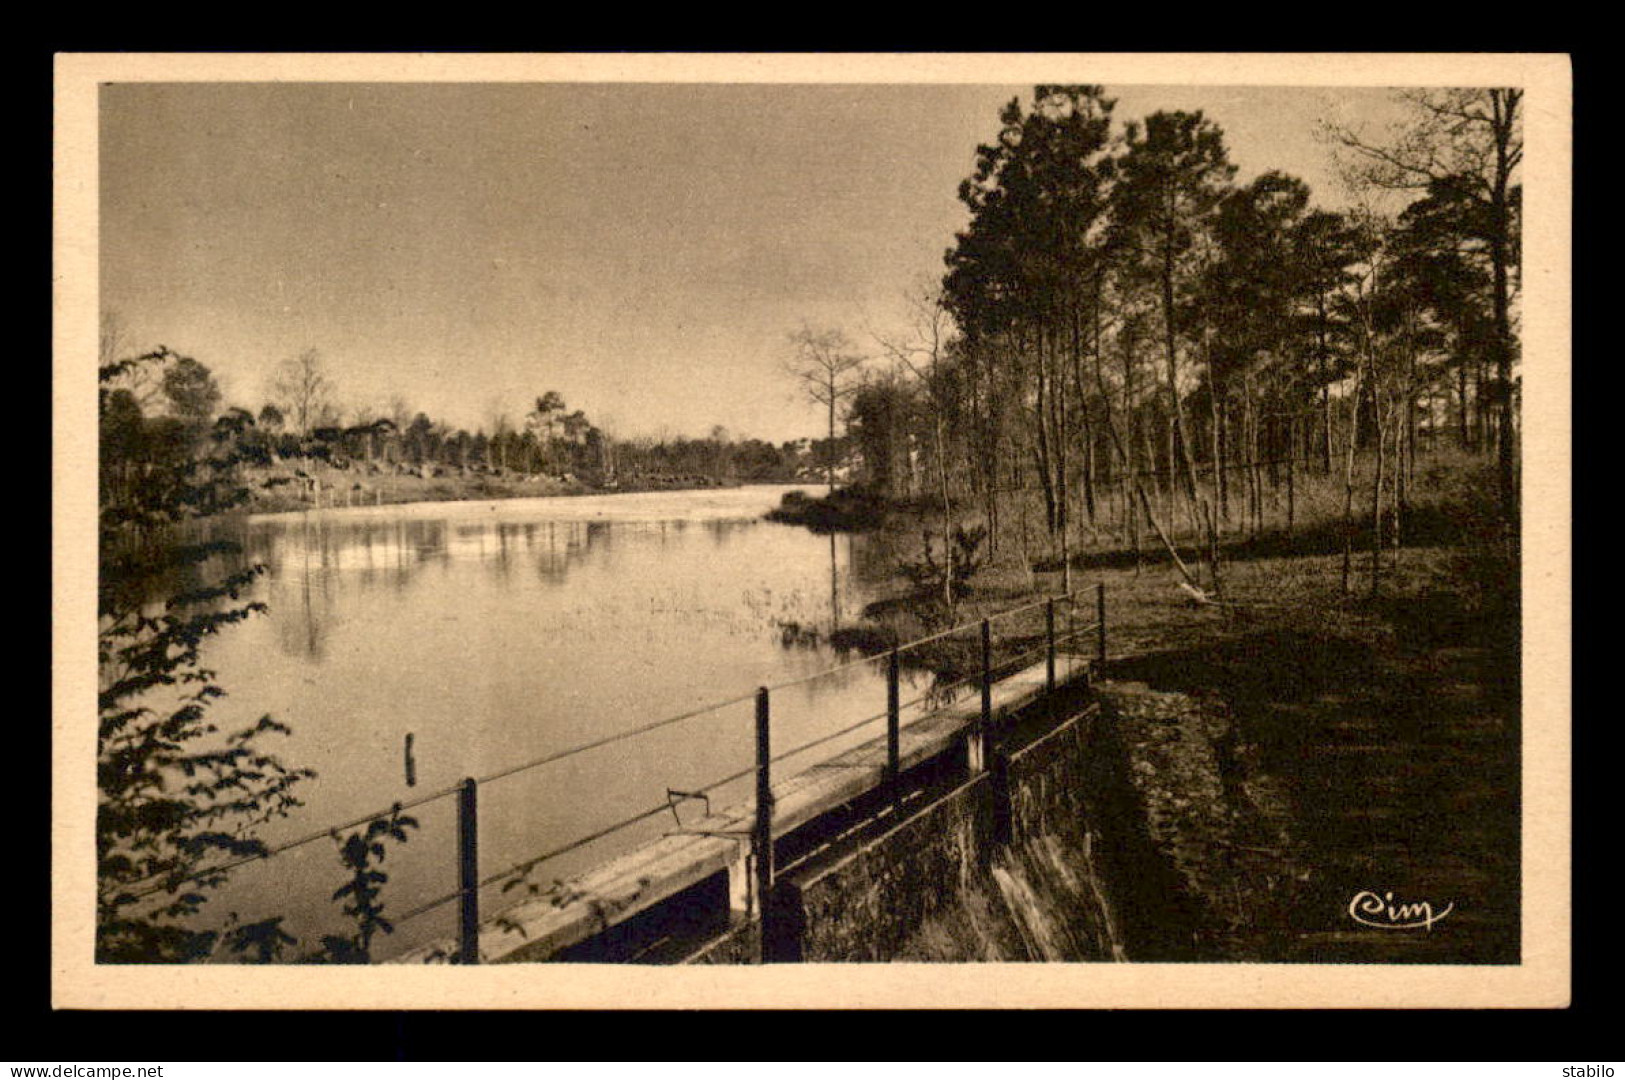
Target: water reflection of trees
{"points": [[857, 567], [860, 566], [311, 560], [721, 531], [874, 556], [304, 605]]}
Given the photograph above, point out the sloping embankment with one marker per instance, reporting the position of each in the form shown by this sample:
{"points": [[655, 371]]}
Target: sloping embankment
{"points": [[1380, 767], [1136, 837]]}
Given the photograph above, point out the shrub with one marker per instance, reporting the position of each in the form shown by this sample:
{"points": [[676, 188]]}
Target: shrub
{"points": [[172, 792]]}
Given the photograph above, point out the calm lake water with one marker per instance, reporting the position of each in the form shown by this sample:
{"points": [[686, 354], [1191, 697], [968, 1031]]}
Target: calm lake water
{"points": [[497, 633]]}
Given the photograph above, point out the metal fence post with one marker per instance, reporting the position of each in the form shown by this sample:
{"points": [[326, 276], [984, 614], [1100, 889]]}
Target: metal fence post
{"points": [[1049, 635], [1100, 626], [893, 724], [763, 840], [468, 872]]}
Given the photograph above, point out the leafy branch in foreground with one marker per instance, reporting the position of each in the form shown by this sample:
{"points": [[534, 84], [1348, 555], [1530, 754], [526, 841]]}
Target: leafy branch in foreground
{"points": [[362, 894], [173, 792]]}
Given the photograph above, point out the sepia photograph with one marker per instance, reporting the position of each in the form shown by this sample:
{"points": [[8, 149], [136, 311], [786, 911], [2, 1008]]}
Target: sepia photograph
{"points": [[794, 530]]}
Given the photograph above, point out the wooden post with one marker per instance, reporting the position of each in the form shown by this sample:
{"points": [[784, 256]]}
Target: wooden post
{"points": [[468, 872], [893, 725], [1049, 634], [763, 839], [1100, 626]]}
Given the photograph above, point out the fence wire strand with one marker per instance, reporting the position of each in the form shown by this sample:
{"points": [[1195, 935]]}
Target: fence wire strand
{"points": [[619, 736], [289, 845], [424, 909], [524, 867], [826, 671], [527, 865]]}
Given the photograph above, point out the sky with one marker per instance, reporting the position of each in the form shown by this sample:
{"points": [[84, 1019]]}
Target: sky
{"points": [[643, 249]]}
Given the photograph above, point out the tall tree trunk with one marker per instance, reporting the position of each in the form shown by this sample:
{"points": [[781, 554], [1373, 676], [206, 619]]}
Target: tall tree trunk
{"points": [[1213, 559], [1171, 490], [1463, 431], [1398, 508], [1180, 436], [988, 452], [1040, 447], [1480, 408], [939, 449], [1291, 471], [1214, 411], [1412, 420], [1376, 488], [1133, 523], [1090, 497], [1325, 380], [1261, 457], [1128, 448], [1026, 550], [1505, 106], [1348, 484], [1087, 439], [1060, 412], [1151, 468], [1249, 463]]}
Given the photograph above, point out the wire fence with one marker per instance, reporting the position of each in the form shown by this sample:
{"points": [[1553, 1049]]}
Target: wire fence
{"points": [[947, 663]]}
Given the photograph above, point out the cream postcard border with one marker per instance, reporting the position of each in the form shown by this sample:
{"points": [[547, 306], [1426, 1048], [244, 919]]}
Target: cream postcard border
{"points": [[1541, 980]]}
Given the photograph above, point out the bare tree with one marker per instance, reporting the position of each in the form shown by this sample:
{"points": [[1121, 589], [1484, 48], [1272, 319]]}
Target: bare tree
{"points": [[501, 424], [921, 351], [303, 390], [399, 411], [828, 367], [112, 341]]}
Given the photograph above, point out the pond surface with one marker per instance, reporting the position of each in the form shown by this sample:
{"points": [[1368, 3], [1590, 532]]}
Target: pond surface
{"points": [[498, 633]]}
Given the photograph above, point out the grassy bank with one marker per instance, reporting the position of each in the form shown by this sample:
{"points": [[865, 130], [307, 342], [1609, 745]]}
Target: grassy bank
{"points": [[1298, 575]]}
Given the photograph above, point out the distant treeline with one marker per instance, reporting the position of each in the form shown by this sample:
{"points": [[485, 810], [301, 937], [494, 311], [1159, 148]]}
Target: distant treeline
{"points": [[163, 411]]}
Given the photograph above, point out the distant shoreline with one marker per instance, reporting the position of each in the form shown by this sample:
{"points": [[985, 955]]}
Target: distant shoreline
{"points": [[343, 491], [384, 491]]}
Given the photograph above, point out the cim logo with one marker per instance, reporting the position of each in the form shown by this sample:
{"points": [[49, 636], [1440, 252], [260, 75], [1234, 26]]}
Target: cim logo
{"points": [[1369, 909]]}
